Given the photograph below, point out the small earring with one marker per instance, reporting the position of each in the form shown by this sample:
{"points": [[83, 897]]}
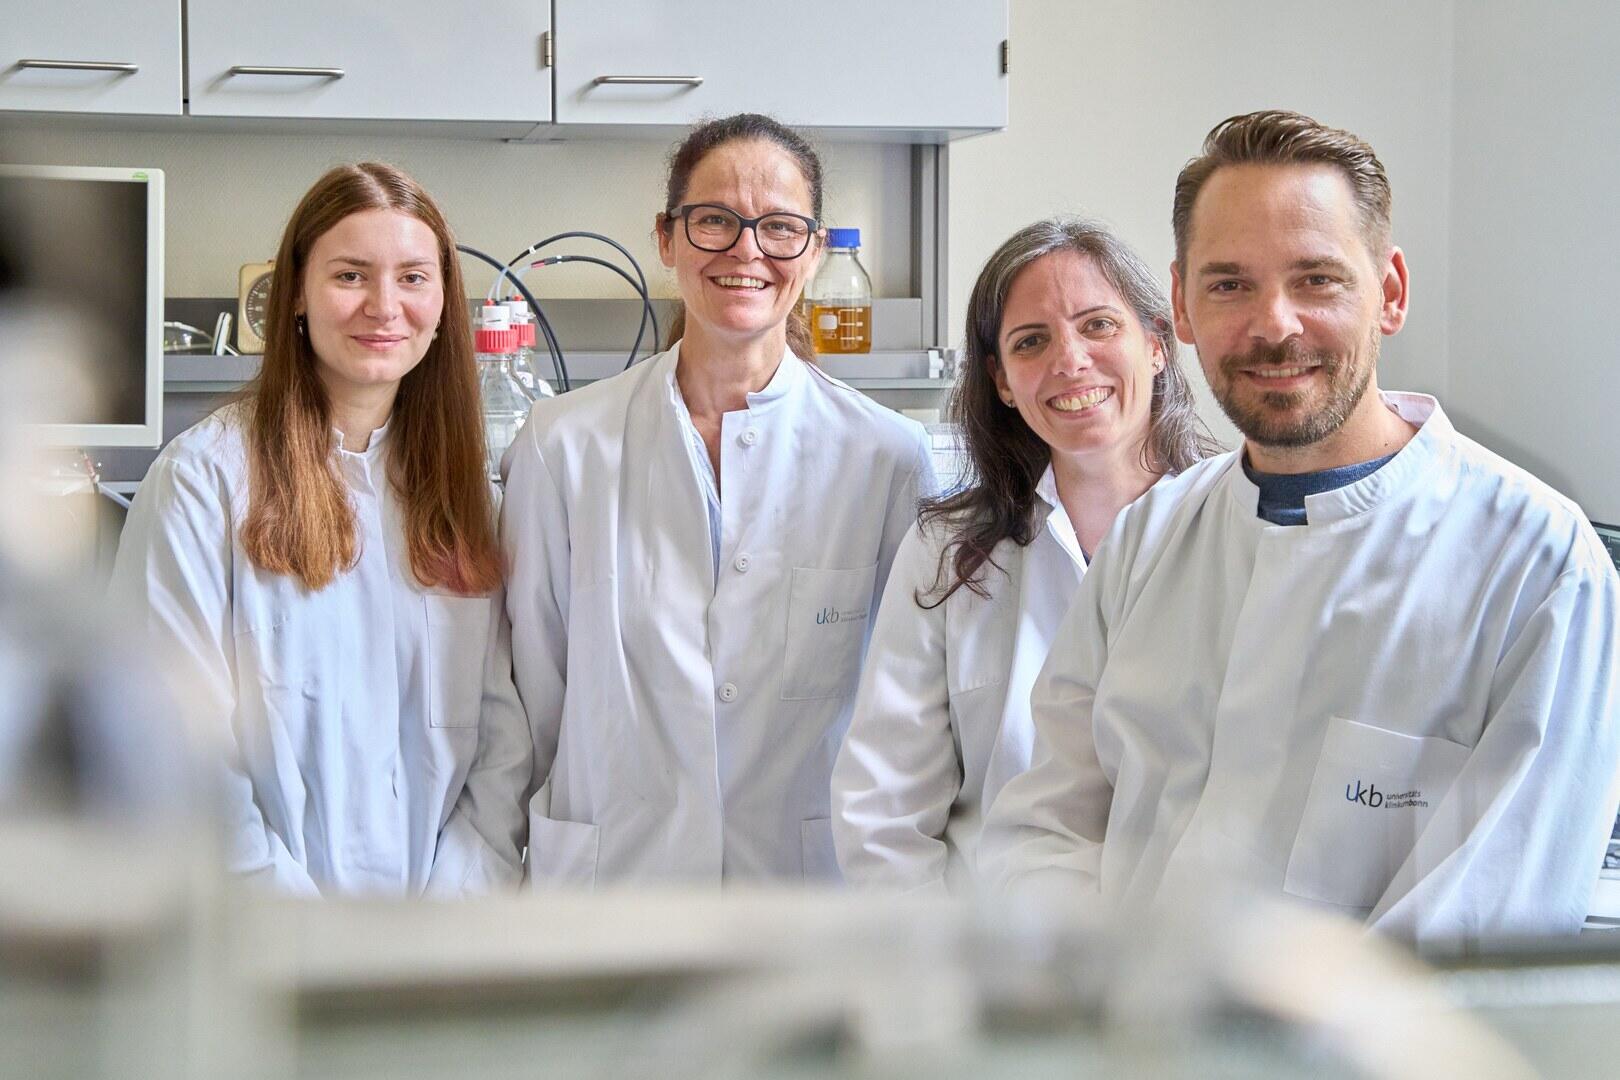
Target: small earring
{"points": [[1011, 404], [303, 330]]}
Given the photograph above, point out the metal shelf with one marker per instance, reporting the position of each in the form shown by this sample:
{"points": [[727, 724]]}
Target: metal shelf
{"points": [[899, 369], [897, 384], [204, 374]]}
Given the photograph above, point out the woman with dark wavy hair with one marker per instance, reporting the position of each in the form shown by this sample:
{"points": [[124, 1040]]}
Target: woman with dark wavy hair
{"points": [[1071, 403], [321, 559]]}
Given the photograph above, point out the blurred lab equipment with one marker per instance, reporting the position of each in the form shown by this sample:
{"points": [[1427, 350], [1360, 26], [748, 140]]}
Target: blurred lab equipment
{"points": [[840, 297], [841, 986], [110, 963], [110, 958]]}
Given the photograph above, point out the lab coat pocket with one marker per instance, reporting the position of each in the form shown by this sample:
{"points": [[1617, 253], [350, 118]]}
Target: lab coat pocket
{"points": [[1373, 793], [819, 858], [562, 854], [829, 613], [274, 655], [458, 634], [982, 632]]}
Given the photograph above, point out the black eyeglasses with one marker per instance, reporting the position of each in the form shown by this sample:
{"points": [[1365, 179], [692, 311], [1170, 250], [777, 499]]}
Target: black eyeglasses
{"points": [[712, 227]]}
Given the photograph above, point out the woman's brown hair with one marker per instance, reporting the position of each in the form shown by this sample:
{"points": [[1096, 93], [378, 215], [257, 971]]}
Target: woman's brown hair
{"points": [[300, 521], [710, 136]]}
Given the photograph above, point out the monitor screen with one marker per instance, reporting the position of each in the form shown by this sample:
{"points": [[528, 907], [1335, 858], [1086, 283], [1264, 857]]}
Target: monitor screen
{"points": [[90, 255], [1610, 535], [1606, 901]]}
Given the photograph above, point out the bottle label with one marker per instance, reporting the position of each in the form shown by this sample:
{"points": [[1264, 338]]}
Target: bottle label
{"points": [[828, 321]]}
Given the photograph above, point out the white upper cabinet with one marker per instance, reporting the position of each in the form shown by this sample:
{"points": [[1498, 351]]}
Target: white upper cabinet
{"points": [[404, 60], [108, 57], [894, 64], [915, 69]]}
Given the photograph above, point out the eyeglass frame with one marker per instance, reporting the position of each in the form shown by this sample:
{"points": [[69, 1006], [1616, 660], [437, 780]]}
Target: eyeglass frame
{"points": [[684, 212]]}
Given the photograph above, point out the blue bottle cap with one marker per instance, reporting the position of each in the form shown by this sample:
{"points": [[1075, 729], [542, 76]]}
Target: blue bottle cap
{"points": [[850, 238]]}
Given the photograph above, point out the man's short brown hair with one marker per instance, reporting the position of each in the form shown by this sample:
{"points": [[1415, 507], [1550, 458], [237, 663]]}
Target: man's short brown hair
{"points": [[1278, 137]]}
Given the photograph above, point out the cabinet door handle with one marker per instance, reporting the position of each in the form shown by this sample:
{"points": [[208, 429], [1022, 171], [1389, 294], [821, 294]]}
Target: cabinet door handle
{"points": [[315, 72], [647, 80], [82, 65]]}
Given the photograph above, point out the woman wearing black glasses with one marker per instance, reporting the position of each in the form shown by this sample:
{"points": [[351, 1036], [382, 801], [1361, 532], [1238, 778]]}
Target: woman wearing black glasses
{"points": [[697, 550]]}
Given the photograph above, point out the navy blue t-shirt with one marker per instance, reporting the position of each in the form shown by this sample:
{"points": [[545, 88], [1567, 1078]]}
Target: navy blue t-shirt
{"points": [[1282, 495]]}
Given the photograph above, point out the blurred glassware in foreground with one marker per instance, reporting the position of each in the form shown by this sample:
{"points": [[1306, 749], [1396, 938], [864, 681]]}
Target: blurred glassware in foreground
{"points": [[109, 898]]}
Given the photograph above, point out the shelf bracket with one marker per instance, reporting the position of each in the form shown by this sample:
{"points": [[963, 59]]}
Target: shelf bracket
{"points": [[930, 210]]}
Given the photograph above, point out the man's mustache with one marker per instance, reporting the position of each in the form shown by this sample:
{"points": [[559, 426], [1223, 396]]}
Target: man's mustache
{"points": [[1290, 353]]}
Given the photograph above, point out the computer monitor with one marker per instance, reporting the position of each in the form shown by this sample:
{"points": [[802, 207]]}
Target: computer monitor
{"points": [[1610, 535], [1606, 898], [89, 244]]}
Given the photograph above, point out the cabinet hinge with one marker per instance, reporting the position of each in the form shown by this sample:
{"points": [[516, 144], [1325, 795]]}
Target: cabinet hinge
{"points": [[1006, 57], [546, 57]]}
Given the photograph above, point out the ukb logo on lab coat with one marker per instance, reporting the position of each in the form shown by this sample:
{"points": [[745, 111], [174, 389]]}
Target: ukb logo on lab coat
{"points": [[1367, 795], [1371, 798], [828, 613]]}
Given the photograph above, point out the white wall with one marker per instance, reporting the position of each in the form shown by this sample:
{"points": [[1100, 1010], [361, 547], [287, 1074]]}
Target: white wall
{"points": [[1111, 97], [229, 195], [1535, 214]]}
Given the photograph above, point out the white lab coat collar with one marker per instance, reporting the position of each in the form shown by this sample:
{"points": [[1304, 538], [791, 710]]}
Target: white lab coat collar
{"points": [[370, 452], [1397, 475], [789, 375]]}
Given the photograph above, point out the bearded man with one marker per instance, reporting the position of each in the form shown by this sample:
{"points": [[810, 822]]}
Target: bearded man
{"points": [[1361, 661]]}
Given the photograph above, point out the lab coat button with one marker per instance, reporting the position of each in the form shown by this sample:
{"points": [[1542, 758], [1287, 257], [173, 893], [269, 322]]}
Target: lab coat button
{"points": [[728, 691], [749, 437], [742, 563]]}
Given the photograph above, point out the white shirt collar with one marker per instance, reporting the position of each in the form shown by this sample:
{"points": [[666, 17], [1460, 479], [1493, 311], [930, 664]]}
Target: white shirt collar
{"points": [[1057, 518]]}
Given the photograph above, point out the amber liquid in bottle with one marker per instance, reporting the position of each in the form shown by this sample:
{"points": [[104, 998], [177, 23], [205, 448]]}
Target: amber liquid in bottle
{"points": [[836, 329]]}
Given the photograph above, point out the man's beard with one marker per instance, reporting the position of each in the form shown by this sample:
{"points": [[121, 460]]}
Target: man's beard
{"points": [[1270, 418]]}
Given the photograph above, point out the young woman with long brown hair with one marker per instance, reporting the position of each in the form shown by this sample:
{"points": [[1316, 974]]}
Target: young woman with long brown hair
{"points": [[320, 555], [1072, 404]]}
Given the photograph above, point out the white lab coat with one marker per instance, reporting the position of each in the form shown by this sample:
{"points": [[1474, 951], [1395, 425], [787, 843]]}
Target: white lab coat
{"points": [[372, 736], [942, 717], [684, 722], [1405, 711]]}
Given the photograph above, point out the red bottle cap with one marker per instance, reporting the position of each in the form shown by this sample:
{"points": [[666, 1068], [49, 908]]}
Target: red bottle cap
{"points": [[495, 341]]}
